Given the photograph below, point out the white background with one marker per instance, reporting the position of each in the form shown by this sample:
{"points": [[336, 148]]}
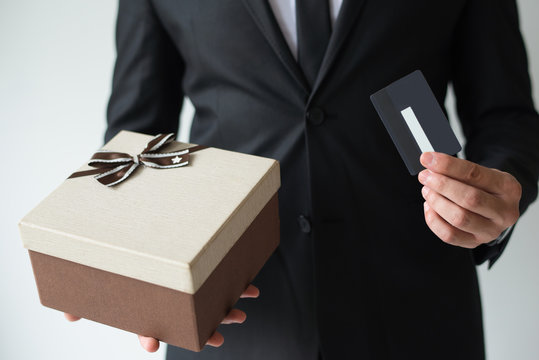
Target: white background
{"points": [[56, 60]]}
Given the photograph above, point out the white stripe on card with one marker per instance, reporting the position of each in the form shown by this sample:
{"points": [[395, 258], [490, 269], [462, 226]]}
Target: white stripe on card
{"points": [[416, 129]]}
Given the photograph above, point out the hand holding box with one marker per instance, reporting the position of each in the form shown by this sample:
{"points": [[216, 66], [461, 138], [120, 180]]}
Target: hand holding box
{"points": [[164, 253]]}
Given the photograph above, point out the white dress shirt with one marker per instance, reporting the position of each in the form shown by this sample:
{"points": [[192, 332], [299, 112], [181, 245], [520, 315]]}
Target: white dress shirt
{"points": [[285, 13]]}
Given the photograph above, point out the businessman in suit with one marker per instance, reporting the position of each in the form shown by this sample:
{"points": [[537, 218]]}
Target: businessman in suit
{"points": [[290, 80]]}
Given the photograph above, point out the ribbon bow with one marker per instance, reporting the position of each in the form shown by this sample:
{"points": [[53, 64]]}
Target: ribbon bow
{"points": [[114, 167]]}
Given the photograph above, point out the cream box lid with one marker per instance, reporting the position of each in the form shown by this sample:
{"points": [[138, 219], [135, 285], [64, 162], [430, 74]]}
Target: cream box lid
{"points": [[169, 227]]}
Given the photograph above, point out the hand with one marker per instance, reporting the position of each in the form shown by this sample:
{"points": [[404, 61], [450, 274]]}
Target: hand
{"points": [[235, 316], [467, 204]]}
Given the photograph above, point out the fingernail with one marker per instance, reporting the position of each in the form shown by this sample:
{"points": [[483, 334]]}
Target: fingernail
{"points": [[427, 158], [426, 206], [425, 191], [423, 176]]}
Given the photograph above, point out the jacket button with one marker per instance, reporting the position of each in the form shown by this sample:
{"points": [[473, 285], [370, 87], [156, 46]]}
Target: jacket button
{"points": [[315, 116], [304, 224]]}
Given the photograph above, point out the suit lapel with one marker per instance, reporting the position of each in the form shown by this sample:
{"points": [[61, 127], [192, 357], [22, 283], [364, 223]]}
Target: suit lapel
{"points": [[263, 16], [343, 24]]}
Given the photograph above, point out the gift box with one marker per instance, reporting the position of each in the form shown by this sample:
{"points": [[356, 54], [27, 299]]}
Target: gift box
{"points": [[160, 242]]}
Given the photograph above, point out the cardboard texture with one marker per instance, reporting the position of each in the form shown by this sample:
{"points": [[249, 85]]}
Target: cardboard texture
{"points": [[165, 253]]}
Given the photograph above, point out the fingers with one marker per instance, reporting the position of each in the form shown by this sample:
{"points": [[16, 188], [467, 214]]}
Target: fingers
{"points": [[148, 343], [446, 232], [464, 195], [216, 340], [465, 171], [482, 229], [467, 204], [235, 316], [70, 317], [251, 292]]}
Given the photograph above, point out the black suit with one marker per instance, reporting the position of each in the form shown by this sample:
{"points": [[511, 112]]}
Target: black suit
{"points": [[351, 215]]}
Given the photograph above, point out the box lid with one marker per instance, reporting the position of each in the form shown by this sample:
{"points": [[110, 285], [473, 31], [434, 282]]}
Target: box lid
{"points": [[170, 227]]}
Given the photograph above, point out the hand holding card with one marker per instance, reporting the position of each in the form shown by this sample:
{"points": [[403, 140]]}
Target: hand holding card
{"points": [[465, 204]]}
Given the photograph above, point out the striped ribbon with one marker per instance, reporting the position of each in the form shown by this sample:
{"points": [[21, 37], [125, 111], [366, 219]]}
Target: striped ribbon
{"points": [[114, 167]]}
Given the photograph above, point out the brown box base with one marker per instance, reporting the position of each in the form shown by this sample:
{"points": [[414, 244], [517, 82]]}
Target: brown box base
{"points": [[172, 316]]}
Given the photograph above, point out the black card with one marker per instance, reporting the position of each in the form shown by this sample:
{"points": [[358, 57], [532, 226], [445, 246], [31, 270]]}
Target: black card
{"points": [[414, 119]]}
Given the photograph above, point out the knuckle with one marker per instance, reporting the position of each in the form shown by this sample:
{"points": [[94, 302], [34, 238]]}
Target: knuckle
{"points": [[518, 188], [473, 173], [472, 199], [514, 215], [439, 182], [432, 198], [510, 217], [448, 235], [460, 219], [492, 232], [507, 179], [510, 185]]}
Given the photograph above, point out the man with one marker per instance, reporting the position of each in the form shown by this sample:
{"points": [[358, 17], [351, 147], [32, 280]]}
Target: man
{"points": [[372, 263]]}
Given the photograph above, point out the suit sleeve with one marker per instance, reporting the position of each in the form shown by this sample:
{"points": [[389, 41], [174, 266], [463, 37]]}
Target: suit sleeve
{"points": [[146, 91], [494, 103]]}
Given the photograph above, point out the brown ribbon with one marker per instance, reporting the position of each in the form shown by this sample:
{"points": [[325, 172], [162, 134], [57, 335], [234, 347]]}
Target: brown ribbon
{"points": [[114, 167]]}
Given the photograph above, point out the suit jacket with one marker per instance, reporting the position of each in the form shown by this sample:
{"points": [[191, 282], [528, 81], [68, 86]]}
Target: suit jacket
{"points": [[358, 274]]}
